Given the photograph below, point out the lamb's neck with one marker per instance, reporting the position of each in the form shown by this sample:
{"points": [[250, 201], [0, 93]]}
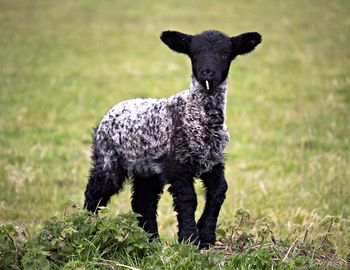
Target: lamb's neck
{"points": [[215, 98]]}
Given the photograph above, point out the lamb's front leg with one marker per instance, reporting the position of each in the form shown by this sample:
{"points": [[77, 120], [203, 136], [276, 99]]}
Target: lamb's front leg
{"points": [[146, 194], [185, 204], [216, 187]]}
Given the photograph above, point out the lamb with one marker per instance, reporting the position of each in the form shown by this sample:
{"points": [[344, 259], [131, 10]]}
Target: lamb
{"points": [[172, 140]]}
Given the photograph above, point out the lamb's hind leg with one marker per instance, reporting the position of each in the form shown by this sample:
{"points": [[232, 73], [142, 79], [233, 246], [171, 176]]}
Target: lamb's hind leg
{"points": [[106, 178], [146, 194], [216, 186]]}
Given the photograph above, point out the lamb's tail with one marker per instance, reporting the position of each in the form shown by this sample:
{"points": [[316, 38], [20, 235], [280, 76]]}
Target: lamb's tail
{"points": [[147, 167]]}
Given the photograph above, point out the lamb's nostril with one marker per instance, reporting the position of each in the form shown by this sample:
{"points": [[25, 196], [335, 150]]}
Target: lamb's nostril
{"points": [[208, 72]]}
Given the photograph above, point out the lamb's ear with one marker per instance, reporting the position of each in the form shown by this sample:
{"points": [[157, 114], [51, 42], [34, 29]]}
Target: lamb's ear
{"points": [[177, 41], [246, 42]]}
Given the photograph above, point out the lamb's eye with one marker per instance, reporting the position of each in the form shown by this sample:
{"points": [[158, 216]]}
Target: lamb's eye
{"points": [[225, 56]]}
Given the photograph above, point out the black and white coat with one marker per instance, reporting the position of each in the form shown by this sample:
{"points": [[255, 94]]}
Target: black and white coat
{"points": [[172, 140], [188, 128]]}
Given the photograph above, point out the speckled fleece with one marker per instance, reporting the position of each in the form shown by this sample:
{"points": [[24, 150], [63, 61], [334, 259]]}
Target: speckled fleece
{"points": [[188, 128]]}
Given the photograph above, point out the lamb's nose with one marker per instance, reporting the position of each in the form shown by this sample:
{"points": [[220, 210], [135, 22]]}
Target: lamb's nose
{"points": [[208, 73]]}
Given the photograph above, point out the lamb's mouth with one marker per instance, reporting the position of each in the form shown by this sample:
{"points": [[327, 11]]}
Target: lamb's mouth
{"points": [[209, 84]]}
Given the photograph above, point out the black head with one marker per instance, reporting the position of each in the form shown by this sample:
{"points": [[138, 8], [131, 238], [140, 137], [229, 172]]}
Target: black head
{"points": [[211, 52]]}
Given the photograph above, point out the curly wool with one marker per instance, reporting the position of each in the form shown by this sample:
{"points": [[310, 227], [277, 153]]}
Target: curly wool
{"points": [[188, 128]]}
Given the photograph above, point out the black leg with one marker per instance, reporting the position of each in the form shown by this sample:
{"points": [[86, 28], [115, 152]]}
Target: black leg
{"points": [[216, 186], [185, 204], [146, 194], [105, 180]]}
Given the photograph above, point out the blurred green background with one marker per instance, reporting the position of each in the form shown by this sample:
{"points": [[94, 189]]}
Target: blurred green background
{"points": [[63, 64]]}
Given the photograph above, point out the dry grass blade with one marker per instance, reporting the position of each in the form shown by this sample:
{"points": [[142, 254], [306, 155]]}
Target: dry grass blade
{"points": [[289, 250], [114, 263]]}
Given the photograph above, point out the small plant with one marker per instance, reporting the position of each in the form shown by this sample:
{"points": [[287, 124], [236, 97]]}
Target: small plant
{"points": [[77, 237], [12, 246]]}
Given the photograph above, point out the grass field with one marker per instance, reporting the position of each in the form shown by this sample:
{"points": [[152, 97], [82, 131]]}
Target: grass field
{"points": [[64, 64]]}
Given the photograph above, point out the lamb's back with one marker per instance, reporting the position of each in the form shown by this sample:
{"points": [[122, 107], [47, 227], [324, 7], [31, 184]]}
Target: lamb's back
{"points": [[137, 128]]}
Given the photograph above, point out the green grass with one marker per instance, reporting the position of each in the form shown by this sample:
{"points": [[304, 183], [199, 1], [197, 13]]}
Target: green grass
{"points": [[63, 64], [78, 240]]}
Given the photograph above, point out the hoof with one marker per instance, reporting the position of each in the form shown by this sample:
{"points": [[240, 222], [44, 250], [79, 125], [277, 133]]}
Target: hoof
{"points": [[205, 245]]}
